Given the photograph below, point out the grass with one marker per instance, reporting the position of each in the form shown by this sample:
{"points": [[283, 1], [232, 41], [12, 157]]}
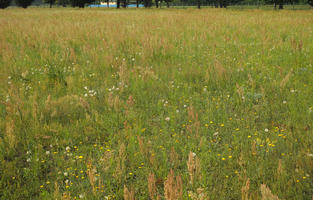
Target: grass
{"points": [[156, 104]]}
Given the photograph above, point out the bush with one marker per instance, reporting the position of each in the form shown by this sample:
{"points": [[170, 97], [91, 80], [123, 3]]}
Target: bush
{"points": [[4, 3], [24, 3]]}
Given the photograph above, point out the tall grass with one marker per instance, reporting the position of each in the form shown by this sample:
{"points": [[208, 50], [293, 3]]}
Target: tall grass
{"points": [[159, 104]]}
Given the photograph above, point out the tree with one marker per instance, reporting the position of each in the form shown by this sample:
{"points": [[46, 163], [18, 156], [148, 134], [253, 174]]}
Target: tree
{"points": [[81, 3], [50, 2], [63, 2], [4, 3], [24, 3], [147, 3], [310, 2]]}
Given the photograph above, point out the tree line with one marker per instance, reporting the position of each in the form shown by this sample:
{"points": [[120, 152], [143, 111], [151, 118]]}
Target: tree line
{"points": [[149, 3]]}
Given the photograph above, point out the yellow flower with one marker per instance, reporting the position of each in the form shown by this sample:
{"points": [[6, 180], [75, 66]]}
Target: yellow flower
{"points": [[80, 157]]}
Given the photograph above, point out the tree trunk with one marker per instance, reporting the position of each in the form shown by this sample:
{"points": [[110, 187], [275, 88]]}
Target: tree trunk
{"points": [[199, 4], [137, 3], [157, 3], [281, 6], [118, 3], [108, 3], [50, 4]]}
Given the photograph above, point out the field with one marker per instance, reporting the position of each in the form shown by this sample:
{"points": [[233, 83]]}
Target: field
{"points": [[156, 104]]}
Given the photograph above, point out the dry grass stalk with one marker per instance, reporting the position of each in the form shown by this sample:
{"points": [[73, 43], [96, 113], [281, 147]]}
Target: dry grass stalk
{"points": [[129, 194], [152, 186], [245, 190], [152, 159], [199, 195], [120, 160], [194, 169], [63, 107], [219, 70], [130, 101], [9, 126], [173, 187], [279, 168], [56, 193], [113, 101], [251, 81], [143, 148], [286, 79], [253, 148], [240, 91], [267, 193], [107, 156], [193, 116], [174, 158], [91, 174]]}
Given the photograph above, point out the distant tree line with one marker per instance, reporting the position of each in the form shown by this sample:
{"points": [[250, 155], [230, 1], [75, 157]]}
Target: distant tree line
{"points": [[149, 3]]}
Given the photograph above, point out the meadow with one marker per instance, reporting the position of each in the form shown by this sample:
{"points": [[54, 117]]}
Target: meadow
{"points": [[156, 104]]}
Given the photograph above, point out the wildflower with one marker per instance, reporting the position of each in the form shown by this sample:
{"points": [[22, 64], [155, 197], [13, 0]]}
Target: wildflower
{"points": [[284, 102], [222, 125], [28, 160], [167, 119], [65, 174], [80, 157], [47, 152], [266, 130]]}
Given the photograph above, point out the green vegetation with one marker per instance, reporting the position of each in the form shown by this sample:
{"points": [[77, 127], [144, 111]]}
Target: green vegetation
{"points": [[156, 104]]}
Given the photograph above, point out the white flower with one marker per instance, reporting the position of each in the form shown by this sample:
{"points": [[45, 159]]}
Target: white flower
{"points": [[167, 118], [215, 134], [266, 130], [284, 102], [28, 160], [65, 174], [47, 152], [66, 181], [81, 196], [177, 111], [68, 148]]}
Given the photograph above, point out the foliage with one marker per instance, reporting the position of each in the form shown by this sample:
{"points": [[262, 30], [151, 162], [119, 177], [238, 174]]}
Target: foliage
{"points": [[24, 3], [4, 3], [81, 3], [50, 2], [156, 104]]}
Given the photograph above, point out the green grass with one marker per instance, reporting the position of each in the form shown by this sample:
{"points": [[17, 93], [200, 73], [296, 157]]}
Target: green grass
{"points": [[95, 100]]}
